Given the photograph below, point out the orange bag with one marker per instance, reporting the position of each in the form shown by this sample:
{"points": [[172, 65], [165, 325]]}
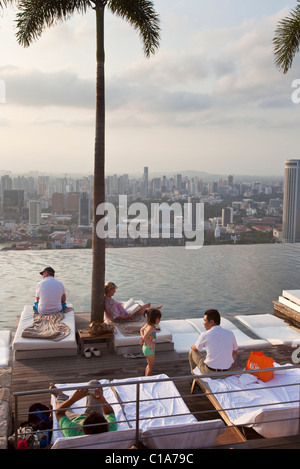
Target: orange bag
{"points": [[258, 360]]}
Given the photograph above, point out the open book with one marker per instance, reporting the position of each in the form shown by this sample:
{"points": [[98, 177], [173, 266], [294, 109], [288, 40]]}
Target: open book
{"points": [[132, 306]]}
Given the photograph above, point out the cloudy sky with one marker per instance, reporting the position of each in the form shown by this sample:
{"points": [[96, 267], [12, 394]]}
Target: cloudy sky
{"points": [[210, 99]]}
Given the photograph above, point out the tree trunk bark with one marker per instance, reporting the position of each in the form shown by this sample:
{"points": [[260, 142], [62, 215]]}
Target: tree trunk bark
{"points": [[98, 247]]}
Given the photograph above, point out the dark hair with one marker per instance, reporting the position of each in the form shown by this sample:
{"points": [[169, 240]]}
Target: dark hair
{"points": [[152, 315], [92, 419], [213, 315]]}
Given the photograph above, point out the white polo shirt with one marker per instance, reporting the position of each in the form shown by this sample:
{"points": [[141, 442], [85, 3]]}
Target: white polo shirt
{"points": [[49, 291], [219, 344]]}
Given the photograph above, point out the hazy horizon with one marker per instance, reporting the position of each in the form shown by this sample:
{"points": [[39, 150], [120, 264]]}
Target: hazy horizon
{"points": [[185, 172]]}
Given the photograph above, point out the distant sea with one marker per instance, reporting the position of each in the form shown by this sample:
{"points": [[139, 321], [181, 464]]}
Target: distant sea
{"points": [[237, 279]]}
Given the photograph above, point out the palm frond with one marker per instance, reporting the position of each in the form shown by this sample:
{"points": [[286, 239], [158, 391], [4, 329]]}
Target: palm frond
{"points": [[287, 40], [142, 16], [5, 3], [36, 15]]}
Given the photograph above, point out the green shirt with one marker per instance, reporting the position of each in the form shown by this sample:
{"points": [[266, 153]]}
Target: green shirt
{"points": [[65, 423]]}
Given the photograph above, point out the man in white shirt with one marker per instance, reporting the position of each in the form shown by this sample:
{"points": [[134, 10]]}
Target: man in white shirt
{"points": [[50, 293], [220, 347]]}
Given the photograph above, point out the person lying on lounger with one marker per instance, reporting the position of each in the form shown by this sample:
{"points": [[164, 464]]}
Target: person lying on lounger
{"points": [[114, 310], [98, 417], [220, 347]]}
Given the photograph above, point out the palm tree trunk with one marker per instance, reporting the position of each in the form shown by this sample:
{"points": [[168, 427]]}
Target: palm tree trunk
{"points": [[98, 250]]}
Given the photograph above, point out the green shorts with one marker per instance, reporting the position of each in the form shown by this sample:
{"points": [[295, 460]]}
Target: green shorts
{"points": [[147, 350]]}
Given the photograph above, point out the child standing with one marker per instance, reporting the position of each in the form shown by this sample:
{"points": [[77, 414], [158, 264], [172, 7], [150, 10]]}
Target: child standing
{"points": [[148, 333]]}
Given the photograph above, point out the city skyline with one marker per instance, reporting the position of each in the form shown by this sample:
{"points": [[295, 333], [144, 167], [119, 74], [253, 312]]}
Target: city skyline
{"points": [[139, 174], [46, 212], [210, 99]]}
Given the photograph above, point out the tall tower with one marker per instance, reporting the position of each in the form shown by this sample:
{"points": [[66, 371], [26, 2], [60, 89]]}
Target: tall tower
{"points": [[291, 202], [84, 209], [227, 216], [145, 179], [34, 214], [13, 203]]}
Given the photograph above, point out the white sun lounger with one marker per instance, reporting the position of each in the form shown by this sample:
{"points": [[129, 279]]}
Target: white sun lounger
{"points": [[290, 304], [243, 340], [130, 344], [164, 423], [5, 340], [271, 408], [270, 328], [25, 348], [291, 299], [183, 333], [292, 295]]}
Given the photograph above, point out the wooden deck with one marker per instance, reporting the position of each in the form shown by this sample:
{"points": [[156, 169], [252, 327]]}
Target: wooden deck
{"points": [[36, 374]]}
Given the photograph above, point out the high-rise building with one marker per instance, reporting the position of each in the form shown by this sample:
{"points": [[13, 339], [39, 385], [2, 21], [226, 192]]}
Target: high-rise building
{"points": [[227, 216], [178, 181], [34, 214], [13, 204], [72, 202], [230, 180], [291, 202], [84, 209], [145, 180], [58, 203]]}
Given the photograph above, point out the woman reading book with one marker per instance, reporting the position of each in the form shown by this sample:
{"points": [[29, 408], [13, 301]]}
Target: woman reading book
{"points": [[115, 311]]}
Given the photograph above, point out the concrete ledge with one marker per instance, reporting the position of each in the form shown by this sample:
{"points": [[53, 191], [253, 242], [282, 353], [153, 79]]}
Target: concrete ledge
{"points": [[5, 406]]}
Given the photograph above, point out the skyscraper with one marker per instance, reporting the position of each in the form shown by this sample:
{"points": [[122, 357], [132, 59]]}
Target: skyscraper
{"points": [[227, 216], [13, 203], [291, 202], [84, 209], [34, 214], [145, 179], [58, 203]]}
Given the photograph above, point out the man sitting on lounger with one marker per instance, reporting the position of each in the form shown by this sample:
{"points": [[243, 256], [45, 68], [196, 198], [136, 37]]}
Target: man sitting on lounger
{"points": [[220, 347], [50, 293], [93, 420]]}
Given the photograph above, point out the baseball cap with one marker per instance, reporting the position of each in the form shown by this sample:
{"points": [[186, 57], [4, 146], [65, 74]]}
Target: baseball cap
{"points": [[48, 269]]}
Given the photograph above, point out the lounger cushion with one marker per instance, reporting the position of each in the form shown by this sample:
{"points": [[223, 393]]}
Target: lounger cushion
{"points": [[192, 436], [289, 303], [252, 403], [120, 439], [292, 295], [270, 328], [122, 340], [5, 339], [183, 333], [26, 320], [243, 340]]}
